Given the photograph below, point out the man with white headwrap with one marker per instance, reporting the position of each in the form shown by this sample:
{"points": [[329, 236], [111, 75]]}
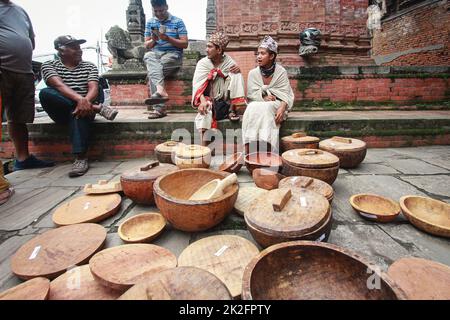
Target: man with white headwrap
{"points": [[217, 81], [270, 98]]}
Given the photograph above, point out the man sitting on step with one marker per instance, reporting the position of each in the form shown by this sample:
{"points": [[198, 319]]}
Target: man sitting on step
{"points": [[72, 97]]}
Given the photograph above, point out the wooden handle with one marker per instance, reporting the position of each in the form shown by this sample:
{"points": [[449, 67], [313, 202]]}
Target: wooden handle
{"points": [[307, 183], [171, 143], [299, 135], [228, 181], [309, 152], [193, 147], [343, 140], [102, 182], [281, 200], [150, 166]]}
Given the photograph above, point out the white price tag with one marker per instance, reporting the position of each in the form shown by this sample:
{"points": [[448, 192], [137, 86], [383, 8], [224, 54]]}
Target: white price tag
{"points": [[303, 202], [35, 253], [322, 238], [87, 205], [221, 251]]}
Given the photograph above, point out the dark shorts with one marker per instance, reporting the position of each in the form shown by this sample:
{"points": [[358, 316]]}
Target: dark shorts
{"points": [[17, 91]]}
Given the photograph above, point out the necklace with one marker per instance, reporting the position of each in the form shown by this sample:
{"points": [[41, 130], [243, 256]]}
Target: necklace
{"points": [[268, 72]]}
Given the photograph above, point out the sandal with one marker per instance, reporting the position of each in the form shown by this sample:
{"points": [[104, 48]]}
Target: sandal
{"points": [[6, 195], [156, 115], [156, 98]]}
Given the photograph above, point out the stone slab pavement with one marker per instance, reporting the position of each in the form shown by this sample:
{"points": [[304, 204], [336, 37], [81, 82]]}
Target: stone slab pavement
{"points": [[389, 172]]}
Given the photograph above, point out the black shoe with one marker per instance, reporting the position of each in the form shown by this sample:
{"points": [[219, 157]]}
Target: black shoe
{"points": [[32, 163]]}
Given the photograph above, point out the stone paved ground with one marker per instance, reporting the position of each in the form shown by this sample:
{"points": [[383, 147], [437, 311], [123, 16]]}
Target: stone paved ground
{"points": [[388, 172]]}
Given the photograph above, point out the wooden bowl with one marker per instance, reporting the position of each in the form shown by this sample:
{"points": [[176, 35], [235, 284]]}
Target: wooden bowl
{"points": [[267, 179], [233, 164], [177, 284], [165, 152], [427, 214], [299, 140], [421, 279], [172, 193], [328, 175], [351, 152], [35, 289], [142, 228], [303, 270], [193, 156], [266, 160], [375, 208]]}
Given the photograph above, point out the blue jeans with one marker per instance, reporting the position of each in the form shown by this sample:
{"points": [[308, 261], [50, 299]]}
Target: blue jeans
{"points": [[59, 109]]}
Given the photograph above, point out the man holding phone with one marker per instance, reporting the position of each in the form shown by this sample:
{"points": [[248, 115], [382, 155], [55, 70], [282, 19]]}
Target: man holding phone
{"points": [[166, 37]]}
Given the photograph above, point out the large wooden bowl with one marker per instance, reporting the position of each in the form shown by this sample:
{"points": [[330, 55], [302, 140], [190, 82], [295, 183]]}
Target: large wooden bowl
{"points": [[328, 175], [183, 283], [351, 152], [35, 289], [142, 228], [304, 270], [299, 140], [297, 184], [427, 214], [375, 208], [266, 160], [172, 193]]}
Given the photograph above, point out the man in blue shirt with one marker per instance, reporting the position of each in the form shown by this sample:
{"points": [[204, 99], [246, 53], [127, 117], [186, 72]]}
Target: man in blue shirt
{"points": [[166, 37]]}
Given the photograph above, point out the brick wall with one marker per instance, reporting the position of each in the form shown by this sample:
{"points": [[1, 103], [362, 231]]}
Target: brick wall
{"points": [[425, 29]]}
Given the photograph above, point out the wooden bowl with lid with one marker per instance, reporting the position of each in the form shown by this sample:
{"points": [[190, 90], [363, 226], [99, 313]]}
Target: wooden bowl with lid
{"points": [[165, 152], [304, 270], [299, 140], [193, 156], [427, 214], [311, 163], [172, 194], [299, 183], [351, 152], [142, 228], [375, 208], [266, 160]]}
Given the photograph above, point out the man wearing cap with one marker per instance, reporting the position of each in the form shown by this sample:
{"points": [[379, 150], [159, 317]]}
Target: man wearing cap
{"points": [[271, 98], [17, 84], [218, 85], [166, 37], [71, 97]]}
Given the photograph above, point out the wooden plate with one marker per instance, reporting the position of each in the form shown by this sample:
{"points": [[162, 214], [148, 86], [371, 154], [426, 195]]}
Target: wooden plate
{"points": [[427, 214], [421, 279], [87, 209], [183, 283], [103, 187], [303, 270], [245, 197], [298, 183], [35, 289], [79, 284], [142, 228], [224, 256], [375, 208], [53, 252], [122, 267]]}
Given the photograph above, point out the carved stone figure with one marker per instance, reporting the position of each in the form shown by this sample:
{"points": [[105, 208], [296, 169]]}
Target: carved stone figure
{"points": [[310, 40], [122, 49]]}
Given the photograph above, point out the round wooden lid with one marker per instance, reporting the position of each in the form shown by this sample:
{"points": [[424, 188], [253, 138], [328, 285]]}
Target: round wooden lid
{"points": [[421, 279], [35, 289], [343, 144], [310, 158], [224, 256], [149, 172], [192, 152], [79, 284], [124, 266], [169, 147], [103, 187], [182, 283], [90, 208], [298, 183], [53, 252], [302, 214], [246, 196], [300, 139]]}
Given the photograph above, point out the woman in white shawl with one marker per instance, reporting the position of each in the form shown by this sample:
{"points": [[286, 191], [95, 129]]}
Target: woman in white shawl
{"points": [[270, 96]]}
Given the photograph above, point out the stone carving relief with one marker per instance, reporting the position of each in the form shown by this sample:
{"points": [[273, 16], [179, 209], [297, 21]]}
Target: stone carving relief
{"points": [[125, 54]]}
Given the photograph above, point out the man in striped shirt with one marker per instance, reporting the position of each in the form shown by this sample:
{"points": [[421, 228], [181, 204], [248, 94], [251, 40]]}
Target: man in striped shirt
{"points": [[72, 97], [166, 37]]}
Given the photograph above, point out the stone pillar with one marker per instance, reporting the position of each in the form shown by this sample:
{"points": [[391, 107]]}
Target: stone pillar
{"points": [[211, 20], [136, 21]]}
